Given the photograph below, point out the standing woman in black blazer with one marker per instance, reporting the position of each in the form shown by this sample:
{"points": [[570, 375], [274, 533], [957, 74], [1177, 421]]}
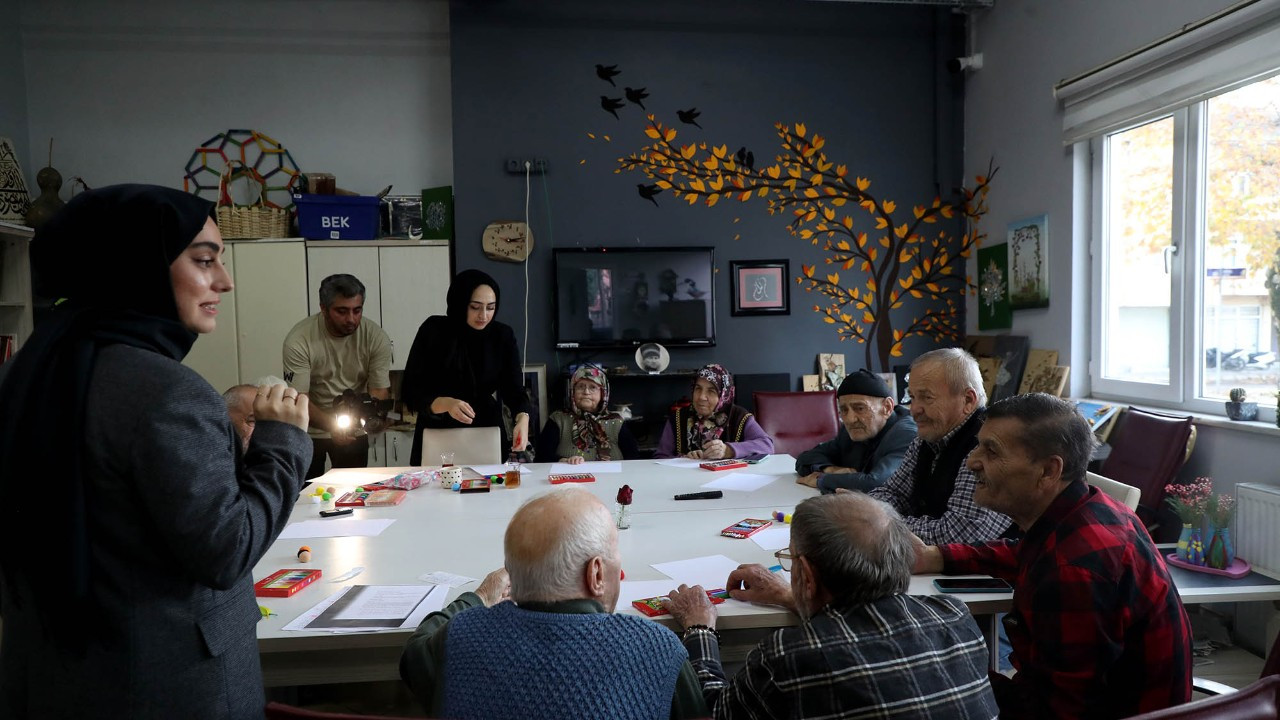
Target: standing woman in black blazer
{"points": [[125, 580], [460, 361]]}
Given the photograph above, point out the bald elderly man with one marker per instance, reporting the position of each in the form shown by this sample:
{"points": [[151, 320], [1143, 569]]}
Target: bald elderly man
{"points": [[538, 638]]}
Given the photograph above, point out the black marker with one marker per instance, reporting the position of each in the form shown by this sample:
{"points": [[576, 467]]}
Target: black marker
{"points": [[707, 495], [335, 513]]}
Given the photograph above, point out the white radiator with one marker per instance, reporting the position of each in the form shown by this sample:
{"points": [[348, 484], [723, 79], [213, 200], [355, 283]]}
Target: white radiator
{"points": [[1257, 526]]}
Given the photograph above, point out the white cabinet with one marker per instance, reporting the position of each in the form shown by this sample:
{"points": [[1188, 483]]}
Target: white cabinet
{"points": [[362, 262], [216, 355], [15, 284]]}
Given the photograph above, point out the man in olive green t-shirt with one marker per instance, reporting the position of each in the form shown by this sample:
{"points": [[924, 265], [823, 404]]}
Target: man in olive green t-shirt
{"points": [[333, 351]]}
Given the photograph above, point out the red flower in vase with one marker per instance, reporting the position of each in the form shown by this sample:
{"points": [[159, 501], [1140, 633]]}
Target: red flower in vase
{"points": [[624, 495]]}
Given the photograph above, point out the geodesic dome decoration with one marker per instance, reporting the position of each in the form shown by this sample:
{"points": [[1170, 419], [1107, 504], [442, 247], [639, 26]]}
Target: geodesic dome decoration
{"points": [[251, 155]]}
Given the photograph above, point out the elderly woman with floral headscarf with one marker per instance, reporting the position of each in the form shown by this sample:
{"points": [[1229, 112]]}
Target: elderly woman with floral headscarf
{"points": [[585, 429], [712, 427]]}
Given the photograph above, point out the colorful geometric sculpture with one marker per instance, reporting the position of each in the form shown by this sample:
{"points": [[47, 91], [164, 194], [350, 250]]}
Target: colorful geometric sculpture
{"points": [[259, 158]]}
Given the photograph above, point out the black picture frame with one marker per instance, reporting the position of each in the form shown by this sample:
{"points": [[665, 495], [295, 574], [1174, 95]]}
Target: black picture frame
{"points": [[760, 287]]}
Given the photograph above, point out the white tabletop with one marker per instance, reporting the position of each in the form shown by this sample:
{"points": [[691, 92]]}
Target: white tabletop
{"points": [[436, 529]]}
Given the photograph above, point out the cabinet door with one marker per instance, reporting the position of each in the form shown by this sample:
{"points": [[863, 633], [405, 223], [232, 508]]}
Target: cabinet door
{"points": [[271, 282], [378, 450], [361, 262], [415, 280], [399, 444], [215, 355]]}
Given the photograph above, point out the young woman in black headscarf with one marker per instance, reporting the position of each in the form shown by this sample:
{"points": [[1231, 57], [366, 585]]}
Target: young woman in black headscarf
{"points": [[459, 361], [125, 580]]}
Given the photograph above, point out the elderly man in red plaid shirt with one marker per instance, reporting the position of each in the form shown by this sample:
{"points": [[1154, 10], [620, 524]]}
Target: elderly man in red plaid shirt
{"points": [[1097, 627]]}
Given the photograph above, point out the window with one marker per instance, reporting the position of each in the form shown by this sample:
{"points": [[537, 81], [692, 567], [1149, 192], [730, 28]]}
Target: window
{"points": [[1186, 217]]}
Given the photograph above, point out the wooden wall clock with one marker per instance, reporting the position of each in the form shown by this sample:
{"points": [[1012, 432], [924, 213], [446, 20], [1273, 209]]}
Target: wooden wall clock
{"points": [[507, 241]]}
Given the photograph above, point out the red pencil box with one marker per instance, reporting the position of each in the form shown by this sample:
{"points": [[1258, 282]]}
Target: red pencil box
{"points": [[654, 606], [730, 464], [559, 478], [284, 583], [745, 528]]}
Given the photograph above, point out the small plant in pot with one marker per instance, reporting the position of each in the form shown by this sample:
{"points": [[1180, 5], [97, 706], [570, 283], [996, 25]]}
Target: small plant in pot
{"points": [[1238, 409]]}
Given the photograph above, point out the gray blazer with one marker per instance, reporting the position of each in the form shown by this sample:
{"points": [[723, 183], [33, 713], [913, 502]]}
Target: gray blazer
{"points": [[177, 523]]}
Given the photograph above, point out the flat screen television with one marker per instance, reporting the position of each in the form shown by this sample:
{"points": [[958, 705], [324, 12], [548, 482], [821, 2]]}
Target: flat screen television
{"points": [[625, 297]]}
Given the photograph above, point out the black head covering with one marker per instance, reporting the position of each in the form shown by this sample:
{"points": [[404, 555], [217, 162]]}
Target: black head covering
{"points": [[108, 254], [460, 290]]}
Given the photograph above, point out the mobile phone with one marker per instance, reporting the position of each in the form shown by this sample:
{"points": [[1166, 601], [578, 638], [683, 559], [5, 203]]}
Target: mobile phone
{"points": [[972, 585], [335, 513]]}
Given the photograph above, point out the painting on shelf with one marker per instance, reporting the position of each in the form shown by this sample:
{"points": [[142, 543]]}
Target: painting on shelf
{"points": [[1029, 263]]}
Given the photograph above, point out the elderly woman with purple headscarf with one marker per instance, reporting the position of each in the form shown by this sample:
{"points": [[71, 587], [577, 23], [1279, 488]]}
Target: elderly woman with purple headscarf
{"points": [[585, 429], [712, 427]]}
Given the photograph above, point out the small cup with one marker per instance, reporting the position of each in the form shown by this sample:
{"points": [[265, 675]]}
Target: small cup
{"points": [[446, 459], [450, 475]]}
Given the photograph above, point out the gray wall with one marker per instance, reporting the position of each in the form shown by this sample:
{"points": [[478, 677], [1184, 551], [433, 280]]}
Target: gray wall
{"points": [[866, 77], [13, 106], [130, 88]]}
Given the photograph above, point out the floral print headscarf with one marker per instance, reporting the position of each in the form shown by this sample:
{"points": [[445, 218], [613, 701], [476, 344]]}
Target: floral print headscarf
{"points": [[701, 430], [588, 427]]}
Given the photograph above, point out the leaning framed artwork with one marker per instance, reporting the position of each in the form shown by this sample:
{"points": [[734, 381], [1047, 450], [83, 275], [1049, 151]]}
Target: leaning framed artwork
{"points": [[760, 287], [535, 384], [1028, 270]]}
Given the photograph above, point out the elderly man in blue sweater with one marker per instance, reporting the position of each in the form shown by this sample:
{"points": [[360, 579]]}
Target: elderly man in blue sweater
{"points": [[553, 648], [870, 444]]}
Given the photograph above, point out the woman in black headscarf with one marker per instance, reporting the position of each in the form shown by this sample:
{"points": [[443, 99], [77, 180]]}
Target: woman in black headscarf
{"points": [[126, 588], [459, 361]]}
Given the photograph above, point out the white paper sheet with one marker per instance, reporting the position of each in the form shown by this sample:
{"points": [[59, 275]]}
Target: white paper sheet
{"points": [[435, 597], [392, 601], [774, 537], [680, 462], [338, 527], [446, 579], [743, 481], [710, 571], [598, 467], [497, 469]]}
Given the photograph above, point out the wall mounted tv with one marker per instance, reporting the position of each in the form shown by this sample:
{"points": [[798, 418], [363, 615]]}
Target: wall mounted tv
{"points": [[624, 297]]}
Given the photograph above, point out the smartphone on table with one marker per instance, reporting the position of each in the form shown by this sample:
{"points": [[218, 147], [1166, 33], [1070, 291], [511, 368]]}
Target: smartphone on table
{"points": [[972, 585]]}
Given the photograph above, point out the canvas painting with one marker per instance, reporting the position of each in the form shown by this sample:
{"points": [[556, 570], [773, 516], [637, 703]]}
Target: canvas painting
{"points": [[1051, 379], [891, 380], [1012, 351], [989, 367], [1029, 263], [994, 312], [810, 383], [14, 199], [831, 369], [437, 213], [1038, 363]]}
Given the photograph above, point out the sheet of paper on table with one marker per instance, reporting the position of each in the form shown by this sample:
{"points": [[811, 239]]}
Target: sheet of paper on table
{"points": [[340, 527], [496, 469], [709, 571], [598, 467], [369, 608], [446, 579], [774, 537], [743, 481], [681, 462]]}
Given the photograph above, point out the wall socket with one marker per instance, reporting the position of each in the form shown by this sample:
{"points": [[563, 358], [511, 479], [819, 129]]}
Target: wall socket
{"points": [[515, 166]]}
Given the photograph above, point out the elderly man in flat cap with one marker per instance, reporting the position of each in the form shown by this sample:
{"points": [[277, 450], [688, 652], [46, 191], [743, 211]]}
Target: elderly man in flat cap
{"points": [[872, 440]]}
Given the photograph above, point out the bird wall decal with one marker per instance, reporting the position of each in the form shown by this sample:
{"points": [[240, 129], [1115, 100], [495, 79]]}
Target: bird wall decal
{"points": [[611, 105], [689, 117], [608, 73], [636, 96]]}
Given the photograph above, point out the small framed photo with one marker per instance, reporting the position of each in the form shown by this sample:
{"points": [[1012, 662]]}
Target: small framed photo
{"points": [[535, 383], [760, 287]]}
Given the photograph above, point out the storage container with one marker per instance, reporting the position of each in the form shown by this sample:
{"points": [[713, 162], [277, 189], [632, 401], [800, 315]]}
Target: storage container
{"points": [[337, 217]]}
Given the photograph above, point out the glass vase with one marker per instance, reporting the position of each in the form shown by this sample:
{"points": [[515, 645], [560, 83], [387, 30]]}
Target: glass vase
{"points": [[1195, 548], [622, 513], [1184, 541], [1222, 551]]}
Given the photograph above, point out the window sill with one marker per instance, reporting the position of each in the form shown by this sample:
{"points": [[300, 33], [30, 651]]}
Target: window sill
{"points": [[1217, 421]]}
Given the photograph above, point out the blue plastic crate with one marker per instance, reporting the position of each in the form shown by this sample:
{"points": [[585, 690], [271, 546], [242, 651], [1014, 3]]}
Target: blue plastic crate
{"points": [[337, 217]]}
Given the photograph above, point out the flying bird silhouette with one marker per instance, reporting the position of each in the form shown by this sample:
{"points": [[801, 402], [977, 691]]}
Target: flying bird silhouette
{"points": [[607, 73], [746, 158], [648, 191], [636, 95], [689, 117], [611, 105]]}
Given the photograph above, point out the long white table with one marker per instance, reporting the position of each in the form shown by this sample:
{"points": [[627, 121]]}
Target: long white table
{"points": [[440, 530]]}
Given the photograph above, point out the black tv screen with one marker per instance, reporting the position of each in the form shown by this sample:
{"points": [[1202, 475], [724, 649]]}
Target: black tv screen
{"points": [[624, 297]]}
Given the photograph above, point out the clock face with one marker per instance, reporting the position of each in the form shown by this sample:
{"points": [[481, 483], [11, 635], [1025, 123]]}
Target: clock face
{"points": [[507, 241]]}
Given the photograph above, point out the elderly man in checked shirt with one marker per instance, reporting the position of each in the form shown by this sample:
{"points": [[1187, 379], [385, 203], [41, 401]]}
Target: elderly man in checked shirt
{"points": [[1097, 627], [864, 648], [933, 489]]}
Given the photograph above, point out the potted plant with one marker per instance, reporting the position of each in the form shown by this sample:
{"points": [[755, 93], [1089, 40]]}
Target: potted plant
{"points": [[1188, 501], [1238, 409]]}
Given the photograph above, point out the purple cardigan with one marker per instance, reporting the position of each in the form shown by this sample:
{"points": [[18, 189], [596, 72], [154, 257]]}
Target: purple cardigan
{"points": [[755, 441]]}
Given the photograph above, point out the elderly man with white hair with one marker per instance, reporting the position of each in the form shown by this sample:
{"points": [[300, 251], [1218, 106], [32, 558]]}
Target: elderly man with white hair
{"points": [[538, 638]]}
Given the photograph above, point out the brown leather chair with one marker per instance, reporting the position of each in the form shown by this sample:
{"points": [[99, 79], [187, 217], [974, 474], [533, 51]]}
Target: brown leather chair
{"points": [[280, 711], [1259, 701], [797, 420], [1147, 451]]}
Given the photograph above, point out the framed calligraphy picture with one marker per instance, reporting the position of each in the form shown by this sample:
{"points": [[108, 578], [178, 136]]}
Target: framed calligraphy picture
{"points": [[760, 287]]}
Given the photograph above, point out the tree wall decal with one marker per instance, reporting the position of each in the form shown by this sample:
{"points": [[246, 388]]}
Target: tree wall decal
{"points": [[826, 204]]}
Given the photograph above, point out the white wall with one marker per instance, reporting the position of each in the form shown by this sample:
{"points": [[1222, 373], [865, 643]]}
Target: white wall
{"points": [[130, 88]]}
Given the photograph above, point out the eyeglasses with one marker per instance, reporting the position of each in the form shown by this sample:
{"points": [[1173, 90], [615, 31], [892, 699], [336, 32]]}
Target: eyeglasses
{"points": [[785, 557]]}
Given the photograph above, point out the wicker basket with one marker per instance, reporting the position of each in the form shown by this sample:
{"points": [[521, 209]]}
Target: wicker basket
{"points": [[249, 221]]}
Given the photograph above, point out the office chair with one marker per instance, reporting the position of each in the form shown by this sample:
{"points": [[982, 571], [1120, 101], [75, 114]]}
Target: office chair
{"points": [[797, 420], [1259, 701], [1126, 495], [470, 446]]}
